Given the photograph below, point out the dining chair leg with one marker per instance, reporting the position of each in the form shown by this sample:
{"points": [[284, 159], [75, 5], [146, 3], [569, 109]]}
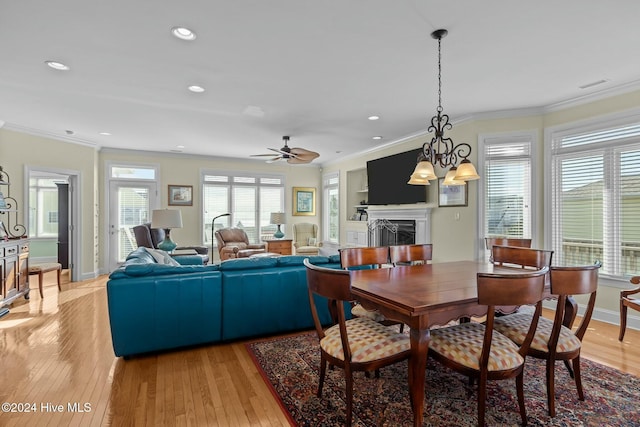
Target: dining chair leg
{"points": [[576, 369], [348, 376], [520, 392], [551, 389], [623, 320], [569, 368], [323, 371], [482, 398]]}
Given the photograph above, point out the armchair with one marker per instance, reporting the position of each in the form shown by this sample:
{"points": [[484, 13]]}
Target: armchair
{"points": [[150, 237], [305, 239], [234, 243]]}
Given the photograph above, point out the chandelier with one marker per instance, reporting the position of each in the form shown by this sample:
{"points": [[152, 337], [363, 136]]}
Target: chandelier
{"points": [[441, 150]]}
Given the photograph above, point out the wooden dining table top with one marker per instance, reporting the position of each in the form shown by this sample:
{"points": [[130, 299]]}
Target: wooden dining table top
{"points": [[418, 289]]}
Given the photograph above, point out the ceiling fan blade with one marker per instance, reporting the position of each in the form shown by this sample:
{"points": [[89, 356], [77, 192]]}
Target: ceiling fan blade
{"points": [[261, 155], [275, 159], [304, 154], [284, 153], [297, 161]]}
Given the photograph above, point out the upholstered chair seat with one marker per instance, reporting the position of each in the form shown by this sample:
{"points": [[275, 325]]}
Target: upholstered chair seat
{"points": [[305, 239]]}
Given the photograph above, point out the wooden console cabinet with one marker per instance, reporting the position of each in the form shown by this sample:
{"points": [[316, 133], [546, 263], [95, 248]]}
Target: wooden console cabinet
{"points": [[14, 270], [280, 246]]}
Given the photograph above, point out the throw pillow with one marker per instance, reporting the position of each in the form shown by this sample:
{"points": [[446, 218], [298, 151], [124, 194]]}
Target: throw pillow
{"points": [[312, 241], [162, 257]]}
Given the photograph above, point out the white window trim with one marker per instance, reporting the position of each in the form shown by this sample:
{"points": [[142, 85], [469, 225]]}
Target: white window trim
{"points": [[631, 116], [506, 137], [325, 206]]}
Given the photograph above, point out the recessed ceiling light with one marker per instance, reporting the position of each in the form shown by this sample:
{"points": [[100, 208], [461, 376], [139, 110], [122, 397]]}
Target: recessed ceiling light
{"points": [[196, 89], [180, 147], [57, 65], [183, 33], [377, 137], [105, 133], [373, 117], [592, 84]]}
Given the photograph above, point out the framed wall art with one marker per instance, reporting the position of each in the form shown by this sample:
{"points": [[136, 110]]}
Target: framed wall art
{"points": [[180, 195], [304, 201], [452, 195]]}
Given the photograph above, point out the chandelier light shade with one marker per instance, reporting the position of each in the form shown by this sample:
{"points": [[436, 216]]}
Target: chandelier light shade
{"points": [[278, 218], [166, 219], [441, 150]]}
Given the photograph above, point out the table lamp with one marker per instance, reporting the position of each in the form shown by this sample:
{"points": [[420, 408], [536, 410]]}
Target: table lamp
{"points": [[166, 219], [278, 218]]}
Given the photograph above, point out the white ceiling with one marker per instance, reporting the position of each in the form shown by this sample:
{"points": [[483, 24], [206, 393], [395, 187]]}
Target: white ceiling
{"points": [[314, 70]]}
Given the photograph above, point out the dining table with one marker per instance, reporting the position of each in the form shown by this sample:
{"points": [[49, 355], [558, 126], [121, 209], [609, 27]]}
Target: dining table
{"points": [[425, 296]]}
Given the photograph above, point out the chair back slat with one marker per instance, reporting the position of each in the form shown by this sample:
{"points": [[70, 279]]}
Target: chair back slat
{"points": [[490, 242], [523, 257], [371, 255], [511, 289], [410, 253], [570, 281]]}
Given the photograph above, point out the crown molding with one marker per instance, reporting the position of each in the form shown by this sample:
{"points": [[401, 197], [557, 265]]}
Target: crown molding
{"points": [[50, 135], [594, 96]]}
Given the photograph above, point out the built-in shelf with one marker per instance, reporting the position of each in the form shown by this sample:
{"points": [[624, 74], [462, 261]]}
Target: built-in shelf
{"points": [[357, 191]]}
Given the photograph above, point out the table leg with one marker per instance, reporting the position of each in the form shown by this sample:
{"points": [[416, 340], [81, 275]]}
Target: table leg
{"points": [[417, 368]]}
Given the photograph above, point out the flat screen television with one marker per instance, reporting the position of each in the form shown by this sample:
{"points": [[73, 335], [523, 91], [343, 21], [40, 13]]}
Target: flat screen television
{"points": [[387, 179]]}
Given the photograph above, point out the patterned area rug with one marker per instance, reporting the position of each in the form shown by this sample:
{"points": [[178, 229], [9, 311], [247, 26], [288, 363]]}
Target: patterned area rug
{"points": [[291, 366]]}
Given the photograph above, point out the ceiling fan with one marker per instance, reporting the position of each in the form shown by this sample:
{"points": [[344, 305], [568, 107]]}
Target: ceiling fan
{"points": [[293, 155]]}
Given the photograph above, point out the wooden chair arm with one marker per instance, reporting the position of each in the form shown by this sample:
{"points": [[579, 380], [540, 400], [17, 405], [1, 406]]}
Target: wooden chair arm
{"points": [[635, 280]]}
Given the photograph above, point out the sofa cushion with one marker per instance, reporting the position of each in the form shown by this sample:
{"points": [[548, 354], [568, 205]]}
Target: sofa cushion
{"points": [[247, 263], [298, 260], [138, 269]]}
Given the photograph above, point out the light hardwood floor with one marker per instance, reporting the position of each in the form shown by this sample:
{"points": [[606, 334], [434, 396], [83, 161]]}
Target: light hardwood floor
{"points": [[57, 351]]}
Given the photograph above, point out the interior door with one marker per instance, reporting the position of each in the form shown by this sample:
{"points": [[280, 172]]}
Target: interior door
{"points": [[130, 204]]}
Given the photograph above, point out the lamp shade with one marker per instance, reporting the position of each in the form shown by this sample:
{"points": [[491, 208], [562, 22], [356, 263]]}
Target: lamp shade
{"points": [[278, 218], [424, 169], [466, 171], [449, 178], [414, 179], [166, 218]]}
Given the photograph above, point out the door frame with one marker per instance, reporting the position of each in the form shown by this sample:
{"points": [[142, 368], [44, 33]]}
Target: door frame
{"points": [[75, 218]]}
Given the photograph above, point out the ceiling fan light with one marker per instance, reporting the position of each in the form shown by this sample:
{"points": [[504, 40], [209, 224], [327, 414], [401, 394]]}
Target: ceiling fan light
{"points": [[424, 169], [466, 171]]}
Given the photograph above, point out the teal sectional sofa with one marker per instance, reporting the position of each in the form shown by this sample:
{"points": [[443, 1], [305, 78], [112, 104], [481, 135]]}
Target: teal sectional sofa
{"points": [[155, 307]]}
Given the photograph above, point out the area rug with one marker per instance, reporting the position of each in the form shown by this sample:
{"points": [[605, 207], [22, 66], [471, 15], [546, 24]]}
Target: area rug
{"points": [[290, 365]]}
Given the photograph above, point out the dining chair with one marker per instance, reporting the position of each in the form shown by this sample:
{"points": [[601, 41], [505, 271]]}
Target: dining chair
{"points": [[521, 257], [410, 254], [554, 341], [490, 242], [477, 350], [358, 344], [627, 301], [365, 257]]}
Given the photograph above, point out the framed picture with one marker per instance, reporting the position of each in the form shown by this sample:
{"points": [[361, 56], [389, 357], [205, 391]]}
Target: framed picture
{"points": [[304, 201], [180, 195], [452, 195]]}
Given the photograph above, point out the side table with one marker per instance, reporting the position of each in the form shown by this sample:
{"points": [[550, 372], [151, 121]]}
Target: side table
{"points": [[279, 246]]}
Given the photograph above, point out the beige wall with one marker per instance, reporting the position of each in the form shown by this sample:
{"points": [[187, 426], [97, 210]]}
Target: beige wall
{"points": [[19, 151], [186, 169], [453, 239]]}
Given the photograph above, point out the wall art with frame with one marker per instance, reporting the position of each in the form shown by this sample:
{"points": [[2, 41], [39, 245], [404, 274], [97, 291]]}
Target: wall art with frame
{"points": [[304, 201], [452, 195], [180, 195]]}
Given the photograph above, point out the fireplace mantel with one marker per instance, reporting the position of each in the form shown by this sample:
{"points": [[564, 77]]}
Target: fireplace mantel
{"points": [[420, 213]]}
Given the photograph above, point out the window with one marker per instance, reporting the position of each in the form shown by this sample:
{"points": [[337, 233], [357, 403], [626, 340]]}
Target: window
{"points": [[595, 195], [43, 200], [331, 207], [249, 198], [506, 188]]}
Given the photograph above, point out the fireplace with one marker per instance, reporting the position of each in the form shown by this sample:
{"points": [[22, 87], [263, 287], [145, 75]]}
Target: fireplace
{"points": [[384, 232], [411, 216]]}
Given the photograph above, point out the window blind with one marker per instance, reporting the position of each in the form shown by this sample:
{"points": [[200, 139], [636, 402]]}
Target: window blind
{"points": [[595, 203]]}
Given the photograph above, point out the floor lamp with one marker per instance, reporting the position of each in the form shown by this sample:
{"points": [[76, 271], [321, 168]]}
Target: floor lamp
{"points": [[213, 231]]}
